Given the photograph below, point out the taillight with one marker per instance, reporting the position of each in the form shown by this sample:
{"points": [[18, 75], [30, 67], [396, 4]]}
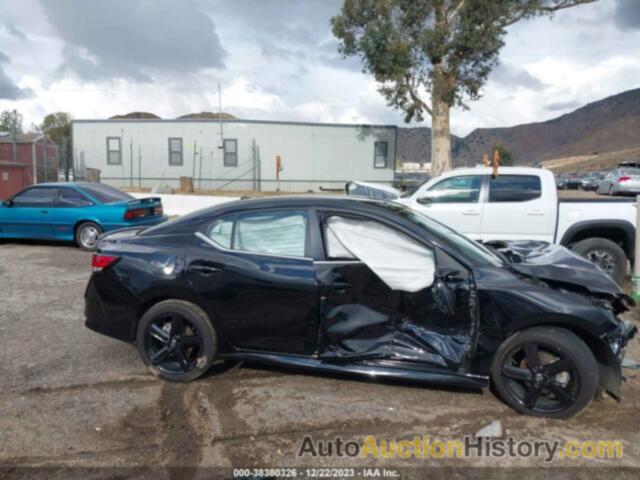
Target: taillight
{"points": [[99, 262], [157, 210], [136, 213], [625, 178]]}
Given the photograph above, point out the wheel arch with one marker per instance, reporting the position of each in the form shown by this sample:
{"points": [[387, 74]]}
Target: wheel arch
{"points": [[621, 232], [182, 295], [84, 220], [610, 375]]}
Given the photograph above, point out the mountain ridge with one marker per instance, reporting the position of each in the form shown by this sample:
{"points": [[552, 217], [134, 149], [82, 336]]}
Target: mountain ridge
{"points": [[606, 125]]}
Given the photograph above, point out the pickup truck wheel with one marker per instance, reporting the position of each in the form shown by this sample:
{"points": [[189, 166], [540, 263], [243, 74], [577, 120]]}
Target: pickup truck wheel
{"points": [[606, 255]]}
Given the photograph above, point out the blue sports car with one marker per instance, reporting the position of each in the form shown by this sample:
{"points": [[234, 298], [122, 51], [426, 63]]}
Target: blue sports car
{"points": [[77, 212]]}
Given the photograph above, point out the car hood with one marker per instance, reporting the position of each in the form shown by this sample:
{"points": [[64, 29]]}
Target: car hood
{"points": [[560, 268]]}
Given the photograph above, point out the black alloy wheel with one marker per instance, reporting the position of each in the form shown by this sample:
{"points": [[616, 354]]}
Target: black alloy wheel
{"points": [[172, 344], [546, 372], [176, 340]]}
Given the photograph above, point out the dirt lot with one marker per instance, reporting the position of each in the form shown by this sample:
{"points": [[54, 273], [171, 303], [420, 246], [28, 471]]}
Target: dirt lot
{"points": [[72, 399]]}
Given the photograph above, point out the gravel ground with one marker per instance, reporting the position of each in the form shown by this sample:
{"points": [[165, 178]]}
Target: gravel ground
{"points": [[80, 404]]}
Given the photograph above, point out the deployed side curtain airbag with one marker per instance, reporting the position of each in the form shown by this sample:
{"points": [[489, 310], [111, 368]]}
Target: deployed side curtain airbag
{"points": [[400, 262]]}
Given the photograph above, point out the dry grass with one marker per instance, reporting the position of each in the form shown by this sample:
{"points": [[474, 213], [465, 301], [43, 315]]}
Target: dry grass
{"points": [[589, 163]]}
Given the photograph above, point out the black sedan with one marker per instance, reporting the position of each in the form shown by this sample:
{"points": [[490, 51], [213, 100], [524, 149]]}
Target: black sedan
{"points": [[361, 287]]}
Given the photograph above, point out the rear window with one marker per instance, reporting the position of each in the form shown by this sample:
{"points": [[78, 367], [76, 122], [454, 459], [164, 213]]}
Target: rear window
{"points": [[105, 193], [514, 188]]}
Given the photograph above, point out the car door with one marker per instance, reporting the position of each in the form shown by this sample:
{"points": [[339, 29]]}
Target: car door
{"points": [[454, 201], [69, 205], [253, 273], [362, 318], [27, 214], [516, 209], [606, 182]]}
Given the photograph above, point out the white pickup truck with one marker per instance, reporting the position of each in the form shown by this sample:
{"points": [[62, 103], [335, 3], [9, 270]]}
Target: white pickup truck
{"points": [[522, 204]]}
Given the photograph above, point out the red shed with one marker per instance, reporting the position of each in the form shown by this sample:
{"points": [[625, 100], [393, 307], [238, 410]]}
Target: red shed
{"points": [[35, 161]]}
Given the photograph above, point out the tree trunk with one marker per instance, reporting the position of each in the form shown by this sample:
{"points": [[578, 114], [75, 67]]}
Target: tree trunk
{"points": [[440, 135]]}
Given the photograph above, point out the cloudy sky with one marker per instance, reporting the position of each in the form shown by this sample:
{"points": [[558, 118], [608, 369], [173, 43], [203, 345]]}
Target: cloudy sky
{"points": [[277, 59]]}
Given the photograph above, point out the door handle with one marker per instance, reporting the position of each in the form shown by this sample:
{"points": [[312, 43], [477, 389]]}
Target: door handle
{"points": [[539, 213], [471, 212], [204, 269], [44, 211]]}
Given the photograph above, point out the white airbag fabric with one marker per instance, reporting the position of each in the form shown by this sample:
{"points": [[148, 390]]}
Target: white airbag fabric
{"points": [[400, 262]]}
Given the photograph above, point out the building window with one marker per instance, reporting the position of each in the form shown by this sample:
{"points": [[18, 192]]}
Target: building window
{"points": [[380, 150], [230, 146], [114, 151], [175, 152]]}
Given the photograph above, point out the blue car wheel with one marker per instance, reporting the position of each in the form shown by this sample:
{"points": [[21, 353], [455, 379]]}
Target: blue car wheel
{"points": [[87, 235]]}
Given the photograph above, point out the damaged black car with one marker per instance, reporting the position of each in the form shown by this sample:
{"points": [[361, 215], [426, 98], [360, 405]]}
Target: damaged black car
{"points": [[361, 287]]}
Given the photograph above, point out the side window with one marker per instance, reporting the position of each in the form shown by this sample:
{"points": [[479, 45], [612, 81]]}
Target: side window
{"points": [[72, 198], [230, 147], [175, 152], [220, 231], [334, 249], [114, 151], [400, 261], [514, 188], [277, 233], [36, 197], [462, 189]]}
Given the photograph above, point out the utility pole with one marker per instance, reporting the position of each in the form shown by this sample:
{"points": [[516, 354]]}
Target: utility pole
{"points": [[13, 141], [195, 154], [200, 173], [139, 166], [46, 170], [220, 115], [131, 161]]}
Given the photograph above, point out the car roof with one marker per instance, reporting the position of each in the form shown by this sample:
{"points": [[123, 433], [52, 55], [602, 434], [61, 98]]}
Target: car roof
{"points": [[505, 170], [61, 184], [352, 203]]}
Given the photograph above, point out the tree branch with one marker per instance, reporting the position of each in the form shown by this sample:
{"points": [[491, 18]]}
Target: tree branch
{"points": [[415, 97], [518, 15], [456, 11]]}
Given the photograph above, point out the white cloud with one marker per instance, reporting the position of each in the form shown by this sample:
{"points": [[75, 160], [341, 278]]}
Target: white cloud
{"points": [[286, 67]]}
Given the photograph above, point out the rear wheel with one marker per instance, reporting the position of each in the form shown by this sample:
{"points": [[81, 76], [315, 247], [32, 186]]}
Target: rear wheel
{"points": [[176, 340], [606, 255], [87, 235], [545, 371]]}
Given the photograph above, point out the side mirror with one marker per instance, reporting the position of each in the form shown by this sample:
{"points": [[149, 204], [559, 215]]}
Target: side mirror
{"points": [[8, 203], [424, 200]]}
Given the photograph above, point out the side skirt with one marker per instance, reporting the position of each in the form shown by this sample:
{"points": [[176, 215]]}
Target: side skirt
{"points": [[369, 369]]}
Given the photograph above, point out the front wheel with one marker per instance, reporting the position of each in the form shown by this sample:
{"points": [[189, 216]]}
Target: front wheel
{"points": [[176, 340], [546, 372], [606, 255], [87, 235]]}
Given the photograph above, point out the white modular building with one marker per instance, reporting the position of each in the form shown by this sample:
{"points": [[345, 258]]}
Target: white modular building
{"points": [[234, 154]]}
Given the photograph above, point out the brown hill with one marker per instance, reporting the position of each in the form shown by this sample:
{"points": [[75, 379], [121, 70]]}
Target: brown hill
{"points": [[208, 116], [135, 116], [607, 125]]}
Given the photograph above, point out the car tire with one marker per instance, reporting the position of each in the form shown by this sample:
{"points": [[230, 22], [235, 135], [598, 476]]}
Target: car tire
{"points": [[607, 255], [87, 234], [198, 358], [581, 377]]}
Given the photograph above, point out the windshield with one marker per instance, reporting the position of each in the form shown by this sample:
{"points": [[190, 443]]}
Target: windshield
{"points": [[474, 251], [105, 193]]}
